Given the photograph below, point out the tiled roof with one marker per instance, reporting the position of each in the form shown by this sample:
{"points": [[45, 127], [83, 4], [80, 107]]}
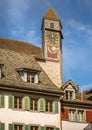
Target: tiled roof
{"points": [[81, 97], [51, 14], [14, 58], [69, 82], [20, 47]]}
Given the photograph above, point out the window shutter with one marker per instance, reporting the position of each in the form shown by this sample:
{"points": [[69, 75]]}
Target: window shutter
{"points": [[55, 106], [41, 104], [1, 100], [57, 128], [11, 127], [2, 126], [11, 101], [42, 128], [26, 127], [26, 103]]}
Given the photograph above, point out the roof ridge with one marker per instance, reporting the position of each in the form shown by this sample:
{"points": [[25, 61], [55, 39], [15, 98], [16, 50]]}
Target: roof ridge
{"points": [[20, 47], [15, 40]]}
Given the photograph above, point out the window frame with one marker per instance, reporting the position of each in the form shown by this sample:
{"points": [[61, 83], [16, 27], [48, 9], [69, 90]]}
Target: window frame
{"points": [[52, 127], [34, 104], [27, 74], [76, 115], [49, 106], [52, 25], [18, 126], [18, 102], [69, 97], [70, 116], [34, 125], [83, 114]]}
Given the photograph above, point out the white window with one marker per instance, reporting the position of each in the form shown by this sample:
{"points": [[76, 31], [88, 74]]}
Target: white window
{"points": [[69, 95], [29, 77], [72, 115], [80, 116], [77, 115]]}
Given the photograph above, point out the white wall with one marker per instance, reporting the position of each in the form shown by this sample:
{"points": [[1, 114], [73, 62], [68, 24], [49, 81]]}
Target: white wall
{"points": [[66, 125], [28, 117]]}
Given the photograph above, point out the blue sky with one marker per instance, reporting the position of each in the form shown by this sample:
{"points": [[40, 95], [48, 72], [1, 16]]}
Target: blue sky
{"points": [[21, 20]]}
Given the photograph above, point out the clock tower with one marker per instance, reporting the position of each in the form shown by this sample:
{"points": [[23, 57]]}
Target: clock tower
{"points": [[52, 46]]}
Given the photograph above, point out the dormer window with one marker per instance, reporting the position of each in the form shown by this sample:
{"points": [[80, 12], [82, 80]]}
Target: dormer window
{"points": [[29, 75], [69, 95], [70, 90]]}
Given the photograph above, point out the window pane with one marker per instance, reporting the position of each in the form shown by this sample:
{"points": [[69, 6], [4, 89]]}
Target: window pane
{"points": [[66, 94], [80, 115], [49, 106], [34, 104], [51, 25], [0, 73], [72, 115], [28, 77], [18, 127], [71, 95], [18, 102], [49, 128], [34, 128]]}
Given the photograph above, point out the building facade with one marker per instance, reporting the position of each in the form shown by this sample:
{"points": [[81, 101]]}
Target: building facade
{"points": [[29, 94], [76, 108], [32, 93]]}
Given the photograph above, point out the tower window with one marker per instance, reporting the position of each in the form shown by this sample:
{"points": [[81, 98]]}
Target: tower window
{"points": [[51, 25]]}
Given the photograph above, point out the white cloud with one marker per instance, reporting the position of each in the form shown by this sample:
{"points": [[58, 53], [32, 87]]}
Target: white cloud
{"points": [[27, 35], [75, 25]]}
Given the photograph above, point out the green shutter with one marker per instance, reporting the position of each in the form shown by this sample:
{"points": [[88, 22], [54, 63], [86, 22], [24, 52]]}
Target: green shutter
{"points": [[42, 128], [55, 106], [41, 104], [57, 128], [11, 127], [26, 103], [26, 127], [11, 101], [2, 126], [1, 100]]}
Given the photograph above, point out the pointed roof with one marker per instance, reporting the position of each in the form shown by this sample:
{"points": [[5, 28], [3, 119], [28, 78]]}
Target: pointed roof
{"points": [[51, 14], [69, 82]]}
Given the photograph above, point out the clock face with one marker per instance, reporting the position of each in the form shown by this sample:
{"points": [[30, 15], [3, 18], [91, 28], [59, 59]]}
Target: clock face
{"points": [[51, 38]]}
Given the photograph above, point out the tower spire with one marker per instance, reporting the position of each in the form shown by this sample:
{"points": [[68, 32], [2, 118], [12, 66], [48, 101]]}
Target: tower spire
{"points": [[51, 14]]}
